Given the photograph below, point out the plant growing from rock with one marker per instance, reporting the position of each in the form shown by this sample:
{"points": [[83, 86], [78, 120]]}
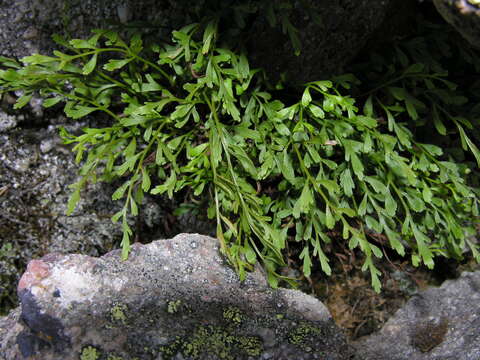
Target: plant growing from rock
{"points": [[191, 116]]}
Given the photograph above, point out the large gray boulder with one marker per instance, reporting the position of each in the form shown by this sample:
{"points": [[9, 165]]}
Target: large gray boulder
{"points": [[172, 299], [437, 324]]}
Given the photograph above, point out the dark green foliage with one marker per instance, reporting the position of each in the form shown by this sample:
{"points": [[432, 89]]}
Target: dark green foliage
{"points": [[189, 116]]}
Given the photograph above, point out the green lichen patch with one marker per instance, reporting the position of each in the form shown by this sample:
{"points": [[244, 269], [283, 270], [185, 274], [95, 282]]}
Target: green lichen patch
{"points": [[304, 336], [233, 315], [251, 345], [90, 353], [113, 357], [173, 306], [213, 341], [118, 313]]}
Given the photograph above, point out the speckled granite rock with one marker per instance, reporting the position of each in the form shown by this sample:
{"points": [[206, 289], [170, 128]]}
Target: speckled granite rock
{"points": [[172, 299], [464, 15], [35, 171], [437, 324]]}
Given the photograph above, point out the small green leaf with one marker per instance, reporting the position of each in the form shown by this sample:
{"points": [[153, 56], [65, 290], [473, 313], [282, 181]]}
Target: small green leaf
{"points": [[81, 44], [329, 220], [317, 111], [22, 101], [394, 239], [377, 185], [52, 101], [347, 183], [304, 202], [78, 111], [362, 208], [167, 186], [118, 194], [390, 204], [368, 108], [112, 65], [90, 65], [427, 194], [438, 122], [72, 202], [286, 166], [250, 255], [146, 182], [133, 207], [307, 262], [306, 97]]}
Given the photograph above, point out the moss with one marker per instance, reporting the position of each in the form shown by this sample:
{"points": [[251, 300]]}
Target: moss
{"points": [[251, 345], [304, 336], [90, 353], [173, 306], [118, 313], [233, 315], [216, 341], [113, 357]]}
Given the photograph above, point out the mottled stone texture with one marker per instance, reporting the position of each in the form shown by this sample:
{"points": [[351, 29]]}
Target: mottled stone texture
{"points": [[172, 299], [331, 33], [464, 15], [342, 29], [437, 324]]}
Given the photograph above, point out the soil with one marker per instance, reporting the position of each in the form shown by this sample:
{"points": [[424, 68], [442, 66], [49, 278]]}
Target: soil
{"points": [[356, 308]]}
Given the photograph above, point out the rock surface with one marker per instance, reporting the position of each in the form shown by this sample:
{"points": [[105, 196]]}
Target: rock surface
{"points": [[331, 34], [35, 171], [172, 299], [437, 324], [340, 30], [463, 15]]}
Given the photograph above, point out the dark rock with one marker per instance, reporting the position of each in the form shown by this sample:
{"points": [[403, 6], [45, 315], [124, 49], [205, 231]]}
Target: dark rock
{"points": [[171, 299], [463, 15], [331, 34], [437, 324]]}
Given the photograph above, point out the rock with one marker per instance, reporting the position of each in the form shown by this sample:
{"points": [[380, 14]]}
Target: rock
{"points": [[7, 122], [463, 15], [437, 324], [331, 32], [172, 299], [35, 171], [27, 25]]}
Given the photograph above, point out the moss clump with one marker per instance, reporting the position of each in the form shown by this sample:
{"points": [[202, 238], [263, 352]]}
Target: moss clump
{"points": [[117, 313], [303, 335], [173, 306], [90, 353], [251, 345], [214, 341], [233, 315], [113, 357]]}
